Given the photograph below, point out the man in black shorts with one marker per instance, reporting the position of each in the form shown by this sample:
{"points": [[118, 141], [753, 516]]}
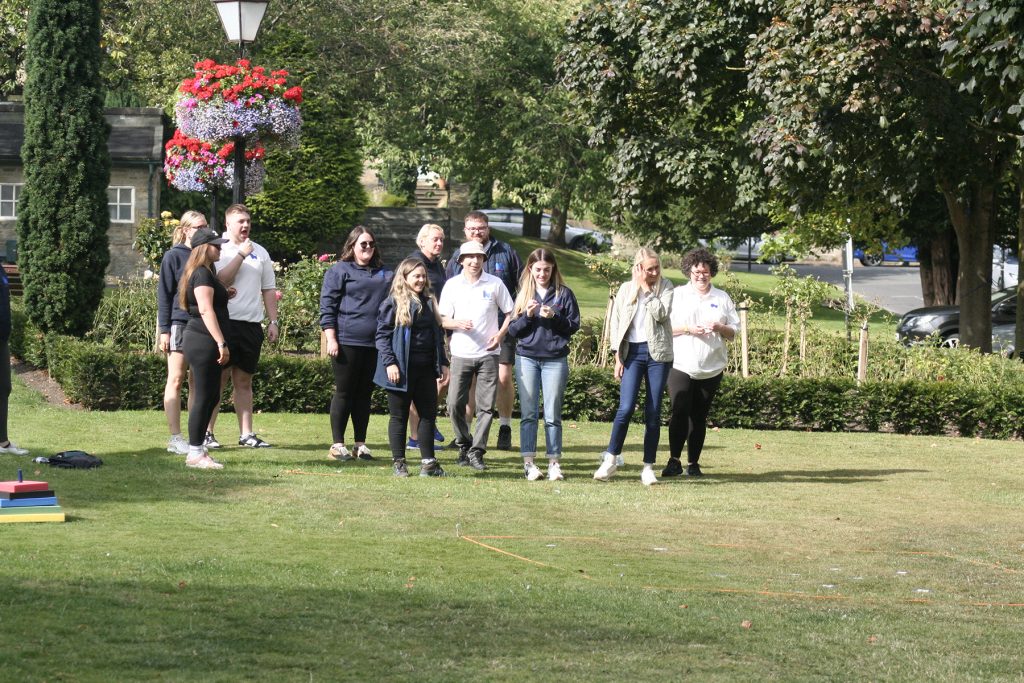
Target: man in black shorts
{"points": [[246, 269]]}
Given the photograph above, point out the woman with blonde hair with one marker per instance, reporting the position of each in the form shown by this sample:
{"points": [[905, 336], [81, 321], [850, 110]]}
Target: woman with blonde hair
{"points": [[429, 245], [171, 320], [545, 316], [641, 334], [412, 363], [205, 342]]}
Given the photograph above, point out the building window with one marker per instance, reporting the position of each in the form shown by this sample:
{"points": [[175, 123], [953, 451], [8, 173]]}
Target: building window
{"points": [[9, 194], [121, 201]]}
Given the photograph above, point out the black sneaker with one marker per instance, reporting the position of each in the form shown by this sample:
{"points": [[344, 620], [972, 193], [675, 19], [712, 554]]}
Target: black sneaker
{"points": [[463, 459], [431, 469], [401, 469], [504, 438], [673, 468], [210, 441], [476, 461], [252, 441], [693, 470]]}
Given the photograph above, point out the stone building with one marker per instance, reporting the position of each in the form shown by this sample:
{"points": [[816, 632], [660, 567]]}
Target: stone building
{"points": [[136, 175]]}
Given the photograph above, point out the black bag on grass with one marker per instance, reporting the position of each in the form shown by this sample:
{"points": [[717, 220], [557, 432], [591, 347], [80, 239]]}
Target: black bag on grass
{"points": [[79, 460]]}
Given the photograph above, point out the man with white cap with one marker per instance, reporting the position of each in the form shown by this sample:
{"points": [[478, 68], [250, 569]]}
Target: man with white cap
{"points": [[471, 304]]}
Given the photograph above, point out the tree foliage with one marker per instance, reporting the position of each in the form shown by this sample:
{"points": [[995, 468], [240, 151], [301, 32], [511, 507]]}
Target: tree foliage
{"points": [[63, 217]]}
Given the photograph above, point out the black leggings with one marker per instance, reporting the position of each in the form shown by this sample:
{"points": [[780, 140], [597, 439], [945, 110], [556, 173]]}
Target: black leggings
{"points": [[423, 393], [691, 402], [353, 383], [202, 353], [5, 386]]}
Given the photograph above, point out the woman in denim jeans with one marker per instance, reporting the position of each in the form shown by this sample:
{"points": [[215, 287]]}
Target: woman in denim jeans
{"points": [[545, 316], [641, 334]]}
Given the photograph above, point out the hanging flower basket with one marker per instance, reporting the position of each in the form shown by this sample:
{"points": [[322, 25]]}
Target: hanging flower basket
{"points": [[192, 165], [225, 101]]}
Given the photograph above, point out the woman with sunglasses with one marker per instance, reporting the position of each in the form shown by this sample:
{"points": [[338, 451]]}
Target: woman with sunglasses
{"points": [[172, 320], [205, 339], [703, 319], [351, 296]]}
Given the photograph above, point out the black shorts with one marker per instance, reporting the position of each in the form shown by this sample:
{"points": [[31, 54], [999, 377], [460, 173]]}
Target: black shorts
{"points": [[245, 343], [507, 352], [176, 341]]}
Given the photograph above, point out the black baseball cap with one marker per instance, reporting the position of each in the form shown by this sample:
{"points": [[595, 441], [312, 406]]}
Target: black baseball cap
{"points": [[206, 236]]}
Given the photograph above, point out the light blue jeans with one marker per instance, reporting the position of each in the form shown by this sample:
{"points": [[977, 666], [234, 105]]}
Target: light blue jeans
{"points": [[534, 375]]}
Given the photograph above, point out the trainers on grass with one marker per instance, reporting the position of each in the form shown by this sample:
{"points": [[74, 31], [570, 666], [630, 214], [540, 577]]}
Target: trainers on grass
{"points": [[211, 441], [177, 444], [252, 441]]}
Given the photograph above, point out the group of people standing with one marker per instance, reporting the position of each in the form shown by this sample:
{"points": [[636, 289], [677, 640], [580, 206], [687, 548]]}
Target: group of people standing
{"points": [[213, 294], [422, 329]]}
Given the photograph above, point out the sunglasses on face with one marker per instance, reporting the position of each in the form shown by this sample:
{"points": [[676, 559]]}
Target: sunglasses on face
{"points": [[366, 245]]}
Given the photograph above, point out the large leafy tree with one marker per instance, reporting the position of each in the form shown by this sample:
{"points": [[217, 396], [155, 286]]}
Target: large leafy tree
{"points": [[63, 218], [984, 52], [856, 95], [664, 88], [844, 107]]}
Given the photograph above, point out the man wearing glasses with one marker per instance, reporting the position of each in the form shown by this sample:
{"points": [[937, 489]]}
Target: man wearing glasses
{"points": [[246, 270], [503, 262]]}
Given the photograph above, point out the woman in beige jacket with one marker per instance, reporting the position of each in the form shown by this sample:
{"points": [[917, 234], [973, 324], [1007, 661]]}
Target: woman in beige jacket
{"points": [[642, 339]]}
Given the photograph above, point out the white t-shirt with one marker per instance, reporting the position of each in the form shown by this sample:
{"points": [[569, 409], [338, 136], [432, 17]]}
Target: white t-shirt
{"points": [[255, 275], [479, 302], [701, 356], [637, 330]]}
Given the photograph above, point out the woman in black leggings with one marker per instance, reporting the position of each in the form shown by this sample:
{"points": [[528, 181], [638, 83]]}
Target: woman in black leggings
{"points": [[206, 349], [6, 445], [703, 319], [412, 360], [352, 292]]}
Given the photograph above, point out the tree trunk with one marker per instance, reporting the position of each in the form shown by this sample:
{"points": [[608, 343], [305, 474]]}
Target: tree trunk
{"points": [[531, 224], [939, 270], [972, 218], [1018, 173], [559, 214]]}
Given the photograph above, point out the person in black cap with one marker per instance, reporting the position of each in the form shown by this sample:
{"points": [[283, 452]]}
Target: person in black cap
{"points": [[206, 349], [6, 445]]}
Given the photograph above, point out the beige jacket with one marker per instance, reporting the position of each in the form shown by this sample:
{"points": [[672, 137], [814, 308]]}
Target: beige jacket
{"points": [[657, 323]]}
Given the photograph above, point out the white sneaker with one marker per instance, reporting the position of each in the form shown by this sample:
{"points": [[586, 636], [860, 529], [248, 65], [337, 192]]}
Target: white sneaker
{"points": [[339, 452], [13, 449], [607, 468], [177, 444], [619, 460], [555, 472], [203, 462], [647, 477], [533, 472]]}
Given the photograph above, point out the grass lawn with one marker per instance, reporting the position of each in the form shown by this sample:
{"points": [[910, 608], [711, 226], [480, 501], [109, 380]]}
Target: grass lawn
{"points": [[799, 557], [592, 294]]}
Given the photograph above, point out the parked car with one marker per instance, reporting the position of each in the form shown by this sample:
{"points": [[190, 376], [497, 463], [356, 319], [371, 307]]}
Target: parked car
{"points": [[745, 249], [943, 322], [580, 239], [903, 255], [1005, 268], [1004, 339]]}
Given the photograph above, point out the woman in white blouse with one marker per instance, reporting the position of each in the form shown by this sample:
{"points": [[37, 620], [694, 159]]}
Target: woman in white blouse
{"points": [[703, 319]]}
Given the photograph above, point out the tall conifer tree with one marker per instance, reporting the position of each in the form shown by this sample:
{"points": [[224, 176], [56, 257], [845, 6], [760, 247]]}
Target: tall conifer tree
{"points": [[63, 216]]}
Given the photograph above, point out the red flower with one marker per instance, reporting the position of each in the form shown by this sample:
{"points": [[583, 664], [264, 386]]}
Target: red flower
{"points": [[294, 94]]}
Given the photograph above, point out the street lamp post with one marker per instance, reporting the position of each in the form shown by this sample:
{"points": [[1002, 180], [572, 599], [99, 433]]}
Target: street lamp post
{"points": [[241, 21]]}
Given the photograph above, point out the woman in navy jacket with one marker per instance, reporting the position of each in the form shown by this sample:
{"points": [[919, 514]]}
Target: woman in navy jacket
{"points": [[545, 316], [410, 342], [353, 290]]}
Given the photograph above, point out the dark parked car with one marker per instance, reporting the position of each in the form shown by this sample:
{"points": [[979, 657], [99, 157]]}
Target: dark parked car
{"points": [[943, 322], [1004, 339], [904, 255]]}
